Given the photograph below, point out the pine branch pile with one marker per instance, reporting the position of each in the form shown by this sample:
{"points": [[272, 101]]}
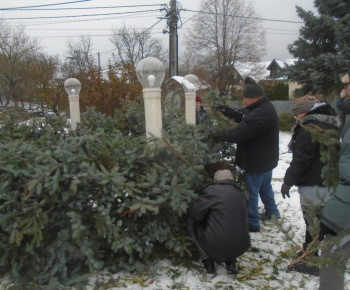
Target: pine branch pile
{"points": [[101, 198]]}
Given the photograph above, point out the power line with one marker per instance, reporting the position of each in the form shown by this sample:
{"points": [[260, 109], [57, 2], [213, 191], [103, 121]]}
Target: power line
{"points": [[45, 5], [246, 17], [196, 13], [74, 16], [80, 8], [82, 20]]}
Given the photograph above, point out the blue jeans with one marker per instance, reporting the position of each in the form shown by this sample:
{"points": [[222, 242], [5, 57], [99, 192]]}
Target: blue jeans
{"points": [[260, 184]]}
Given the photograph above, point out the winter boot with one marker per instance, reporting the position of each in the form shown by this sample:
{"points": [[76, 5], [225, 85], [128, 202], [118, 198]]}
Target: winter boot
{"points": [[231, 266], [303, 268], [209, 265]]}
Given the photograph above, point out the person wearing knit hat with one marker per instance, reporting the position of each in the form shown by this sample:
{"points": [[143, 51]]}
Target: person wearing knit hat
{"points": [[257, 139], [201, 112], [301, 106], [252, 89], [305, 169]]}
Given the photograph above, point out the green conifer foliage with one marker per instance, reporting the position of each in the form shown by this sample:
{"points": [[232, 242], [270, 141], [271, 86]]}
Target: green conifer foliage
{"points": [[329, 141], [322, 49], [101, 197]]}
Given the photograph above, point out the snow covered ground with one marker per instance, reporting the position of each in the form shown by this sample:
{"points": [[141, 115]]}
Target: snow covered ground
{"points": [[263, 267]]}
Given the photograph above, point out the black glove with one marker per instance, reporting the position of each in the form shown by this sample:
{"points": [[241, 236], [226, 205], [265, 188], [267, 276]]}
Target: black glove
{"points": [[220, 108], [285, 190], [214, 135]]}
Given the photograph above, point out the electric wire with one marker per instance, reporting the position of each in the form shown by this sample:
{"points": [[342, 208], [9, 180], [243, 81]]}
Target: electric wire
{"points": [[79, 8], [75, 16], [45, 5], [246, 17]]}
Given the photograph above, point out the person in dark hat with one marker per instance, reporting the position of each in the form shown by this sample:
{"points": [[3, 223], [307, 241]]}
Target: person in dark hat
{"points": [[218, 223], [305, 170], [257, 139], [201, 112]]}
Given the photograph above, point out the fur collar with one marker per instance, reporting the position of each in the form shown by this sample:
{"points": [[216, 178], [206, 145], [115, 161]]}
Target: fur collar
{"points": [[328, 120]]}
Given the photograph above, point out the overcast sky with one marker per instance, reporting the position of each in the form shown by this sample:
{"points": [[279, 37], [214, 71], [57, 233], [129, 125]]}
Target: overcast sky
{"points": [[280, 21]]}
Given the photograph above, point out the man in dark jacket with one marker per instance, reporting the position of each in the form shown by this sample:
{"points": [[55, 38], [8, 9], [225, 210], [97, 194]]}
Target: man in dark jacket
{"points": [[218, 222], [257, 138], [313, 118]]}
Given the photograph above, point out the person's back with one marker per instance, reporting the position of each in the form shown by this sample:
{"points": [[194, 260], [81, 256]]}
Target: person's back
{"points": [[218, 223], [258, 142], [222, 224]]}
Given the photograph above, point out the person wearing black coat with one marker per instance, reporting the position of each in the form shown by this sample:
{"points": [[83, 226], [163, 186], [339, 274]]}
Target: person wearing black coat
{"points": [[257, 139], [305, 169], [218, 222]]}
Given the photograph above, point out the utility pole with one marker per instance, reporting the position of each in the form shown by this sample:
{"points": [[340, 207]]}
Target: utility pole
{"points": [[99, 61], [173, 40]]}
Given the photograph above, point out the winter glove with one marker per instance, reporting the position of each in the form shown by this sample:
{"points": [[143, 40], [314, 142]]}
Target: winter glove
{"points": [[285, 190], [220, 108], [214, 135]]}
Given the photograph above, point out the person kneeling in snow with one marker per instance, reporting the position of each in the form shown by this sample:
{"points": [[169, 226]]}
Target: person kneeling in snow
{"points": [[218, 222]]}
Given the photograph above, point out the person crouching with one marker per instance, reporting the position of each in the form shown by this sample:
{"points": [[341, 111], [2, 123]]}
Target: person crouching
{"points": [[218, 223]]}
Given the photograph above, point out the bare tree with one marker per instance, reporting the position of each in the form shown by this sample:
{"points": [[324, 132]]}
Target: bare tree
{"points": [[80, 58], [134, 44], [49, 92], [225, 33], [17, 55]]}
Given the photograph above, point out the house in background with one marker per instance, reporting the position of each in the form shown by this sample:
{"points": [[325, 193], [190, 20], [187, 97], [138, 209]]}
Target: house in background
{"points": [[269, 74], [277, 69]]}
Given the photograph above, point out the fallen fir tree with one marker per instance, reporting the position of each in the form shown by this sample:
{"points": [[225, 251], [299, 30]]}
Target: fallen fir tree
{"points": [[102, 197]]}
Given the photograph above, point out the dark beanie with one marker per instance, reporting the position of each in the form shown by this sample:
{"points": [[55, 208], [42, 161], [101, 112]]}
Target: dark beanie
{"points": [[199, 99], [303, 104], [252, 89]]}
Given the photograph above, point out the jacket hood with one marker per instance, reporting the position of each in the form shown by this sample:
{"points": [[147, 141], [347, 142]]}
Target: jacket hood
{"points": [[332, 121], [321, 114]]}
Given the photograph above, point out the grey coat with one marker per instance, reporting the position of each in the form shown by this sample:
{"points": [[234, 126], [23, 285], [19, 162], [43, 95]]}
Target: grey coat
{"points": [[336, 211]]}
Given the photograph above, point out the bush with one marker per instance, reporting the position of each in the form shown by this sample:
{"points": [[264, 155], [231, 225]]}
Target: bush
{"points": [[286, 122]]}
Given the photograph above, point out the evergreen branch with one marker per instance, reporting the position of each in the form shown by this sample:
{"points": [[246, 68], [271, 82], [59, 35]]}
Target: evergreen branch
{"points": [[309, 250], [84, 154], [176, 152], [42, 177]]}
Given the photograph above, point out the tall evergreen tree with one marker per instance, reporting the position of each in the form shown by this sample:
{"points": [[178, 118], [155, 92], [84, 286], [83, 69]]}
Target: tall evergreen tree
{"points": [[323, 47]]}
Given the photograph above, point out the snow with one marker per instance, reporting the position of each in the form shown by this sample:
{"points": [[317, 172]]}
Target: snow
{"points": [[260, 268]]}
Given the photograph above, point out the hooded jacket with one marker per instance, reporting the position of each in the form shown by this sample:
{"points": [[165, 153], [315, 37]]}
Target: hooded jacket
{"points": [[306, 166], [221, 221], [256, 135]]}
